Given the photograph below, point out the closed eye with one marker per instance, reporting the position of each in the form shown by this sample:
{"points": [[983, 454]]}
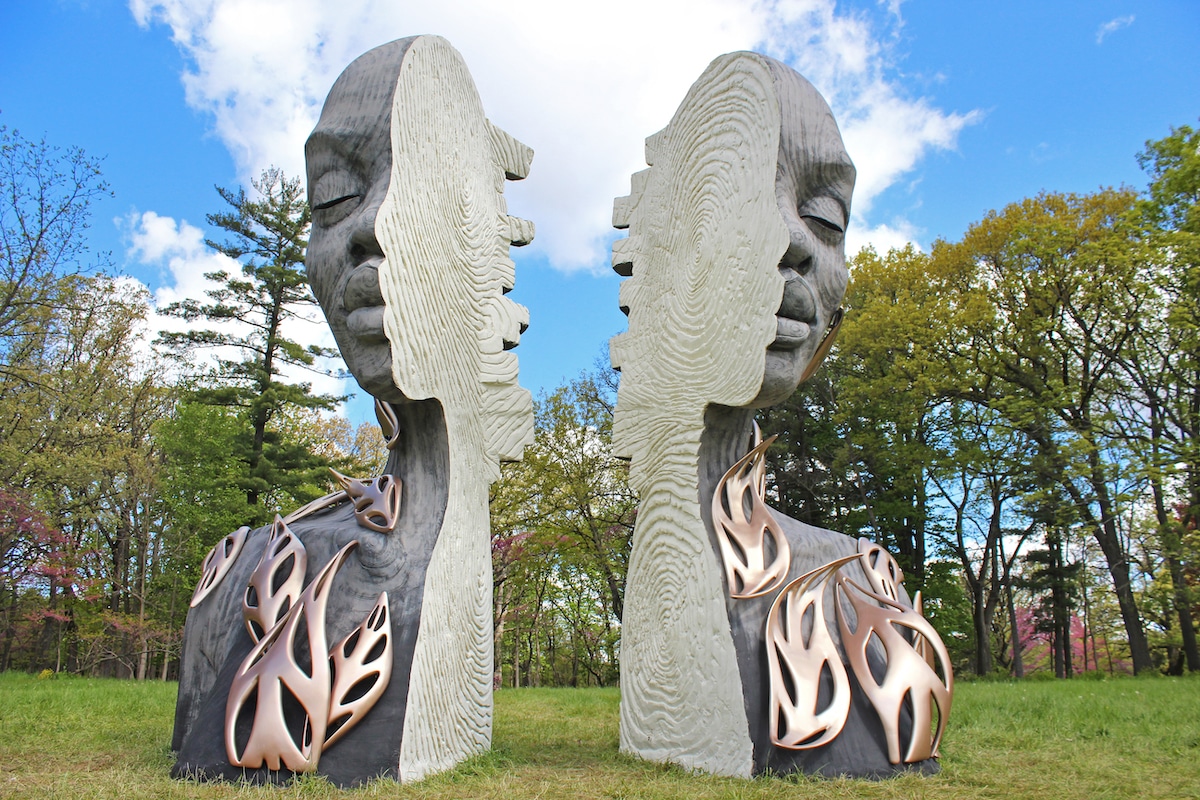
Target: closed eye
{"points": [[335, 201], [825, 216], [828, 224]]}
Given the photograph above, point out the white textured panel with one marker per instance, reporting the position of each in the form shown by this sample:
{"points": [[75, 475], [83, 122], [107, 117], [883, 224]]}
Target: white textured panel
{"points": [[705, 241], [520, 231], [514, 157], [622, 254], [445, 234]]}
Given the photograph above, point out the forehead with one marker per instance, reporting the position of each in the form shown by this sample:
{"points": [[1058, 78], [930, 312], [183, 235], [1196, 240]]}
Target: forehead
{"points": [[813, 154], [810, 144], [356, 117]]}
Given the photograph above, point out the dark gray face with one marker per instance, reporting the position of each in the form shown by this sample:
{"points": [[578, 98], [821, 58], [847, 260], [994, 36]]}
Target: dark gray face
{"points": [[349, 159], [813, 184]]}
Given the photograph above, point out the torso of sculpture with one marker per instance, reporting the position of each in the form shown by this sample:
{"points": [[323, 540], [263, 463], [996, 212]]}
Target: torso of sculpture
{"points": [[353, 638], [750, 641]]}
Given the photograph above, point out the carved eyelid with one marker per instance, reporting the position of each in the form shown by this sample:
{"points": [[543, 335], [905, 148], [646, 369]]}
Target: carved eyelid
{"points": [[333, 188], [826, 211], [335, 201]]}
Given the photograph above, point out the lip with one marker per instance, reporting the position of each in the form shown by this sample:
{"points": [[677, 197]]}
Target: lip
{"points": [[361, 289], [367, 324], [362, 300], [797, 312], [790, 333]]}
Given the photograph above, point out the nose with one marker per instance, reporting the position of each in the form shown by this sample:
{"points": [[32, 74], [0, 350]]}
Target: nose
{"points": [[363, 242], [799, 253]]}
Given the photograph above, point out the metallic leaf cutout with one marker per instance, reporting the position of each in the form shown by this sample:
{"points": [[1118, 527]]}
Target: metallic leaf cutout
{"points": [[313, 506], [803, 659], [276, 582], [908, 673], [217, 563], [883, 571], [388, 423], [744, 539], [364, 654], [269, 669], [376, 502]]}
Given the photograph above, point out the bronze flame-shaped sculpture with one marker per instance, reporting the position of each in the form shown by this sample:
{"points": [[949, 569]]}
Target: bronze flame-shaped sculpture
{"points": [[362, 667], [333, 693], [753, 548], [376, 502], [270, 673], [217, 563], [389, 423], [799, 649], [276, 582], [908, 677]]}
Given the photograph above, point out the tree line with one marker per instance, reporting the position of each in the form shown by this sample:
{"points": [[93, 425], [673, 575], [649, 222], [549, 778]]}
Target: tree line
{"points": [[122, 459], [1015, 414]]}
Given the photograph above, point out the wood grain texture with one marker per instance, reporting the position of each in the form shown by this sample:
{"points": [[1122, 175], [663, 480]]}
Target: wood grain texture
{"points": [[445, 231], [705, 239]]}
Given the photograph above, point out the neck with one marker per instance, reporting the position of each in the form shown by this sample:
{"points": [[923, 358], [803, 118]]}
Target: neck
{"points": [[727, 437]]}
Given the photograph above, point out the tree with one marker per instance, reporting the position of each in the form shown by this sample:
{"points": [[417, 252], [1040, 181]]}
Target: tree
{"points": [[33, 558], [562, 519], [1163, 366], [252, 310], [76, 415], [1062, 273], [45, 209], [979, 475]]}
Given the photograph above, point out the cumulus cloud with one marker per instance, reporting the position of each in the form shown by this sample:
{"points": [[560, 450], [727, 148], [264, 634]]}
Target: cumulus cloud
{"points": [[177, 248], [886, 131], [882, 237], [1112, 26], [583, 84]]}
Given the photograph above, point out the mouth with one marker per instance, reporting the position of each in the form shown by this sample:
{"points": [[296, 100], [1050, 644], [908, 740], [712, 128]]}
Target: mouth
{"points": [[797, 312], [363, 301]]}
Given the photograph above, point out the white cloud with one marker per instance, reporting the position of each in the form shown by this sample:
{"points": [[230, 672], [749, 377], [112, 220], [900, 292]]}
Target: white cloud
{"points": [[882, 237], [1112, 26], [583, 84], [886, 132], [178, 248]]}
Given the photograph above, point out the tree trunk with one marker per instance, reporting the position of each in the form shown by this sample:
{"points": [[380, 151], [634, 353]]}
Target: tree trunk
{"points": [[1180, 594]]}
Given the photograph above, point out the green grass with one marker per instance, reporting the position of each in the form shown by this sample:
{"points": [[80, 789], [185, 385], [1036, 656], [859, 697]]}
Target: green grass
{"points": [[79, 738]]}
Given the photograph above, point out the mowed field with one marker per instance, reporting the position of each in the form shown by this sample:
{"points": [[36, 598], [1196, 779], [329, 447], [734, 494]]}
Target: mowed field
{"points": [[1121, 738]]}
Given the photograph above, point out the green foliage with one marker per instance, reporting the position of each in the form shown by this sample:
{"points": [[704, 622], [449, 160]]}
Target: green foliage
{"points": [[251, 311], [562, 519], [201, 487], [948, 608]]}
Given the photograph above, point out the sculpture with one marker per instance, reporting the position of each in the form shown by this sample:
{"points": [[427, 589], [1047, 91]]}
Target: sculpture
{"points": [[408, 257], [736, 268]]}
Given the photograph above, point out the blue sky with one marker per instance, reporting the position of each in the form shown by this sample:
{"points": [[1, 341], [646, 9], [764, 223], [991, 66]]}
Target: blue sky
{"points": [[949, 109]]}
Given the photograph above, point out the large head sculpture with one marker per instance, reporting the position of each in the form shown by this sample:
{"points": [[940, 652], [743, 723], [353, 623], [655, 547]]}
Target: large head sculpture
{"points": [[735, 248], [408, 253], [736, 269]]}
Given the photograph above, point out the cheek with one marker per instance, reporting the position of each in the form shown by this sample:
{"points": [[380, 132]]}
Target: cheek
{"points": [[831, 274], [321, 269]]}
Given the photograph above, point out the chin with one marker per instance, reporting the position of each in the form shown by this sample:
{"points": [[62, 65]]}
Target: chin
{"points": [[781, 376], [372, 369]]}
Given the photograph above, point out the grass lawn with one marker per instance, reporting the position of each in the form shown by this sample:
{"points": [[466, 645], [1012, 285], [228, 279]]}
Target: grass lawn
{"points": [[1123, 738]]}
